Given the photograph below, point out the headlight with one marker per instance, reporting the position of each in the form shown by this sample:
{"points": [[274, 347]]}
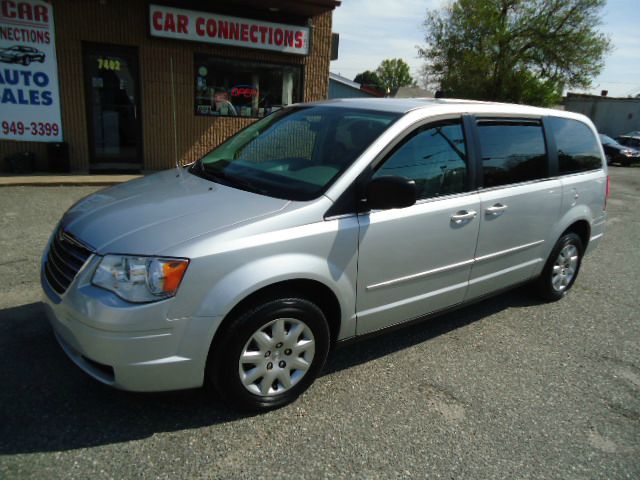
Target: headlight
{"points": [[629, 153], [140, 279]]}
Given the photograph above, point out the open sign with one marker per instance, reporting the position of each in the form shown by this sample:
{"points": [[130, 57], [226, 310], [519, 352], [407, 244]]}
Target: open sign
{"points": [[246, 91]]}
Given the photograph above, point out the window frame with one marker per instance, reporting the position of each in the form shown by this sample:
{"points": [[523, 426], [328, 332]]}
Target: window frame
{"points": [[298, 66], [353, 200], [536, 120], [417, 131], [553, 147]]}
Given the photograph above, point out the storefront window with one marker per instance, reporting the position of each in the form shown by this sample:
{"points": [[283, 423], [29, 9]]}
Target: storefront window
{"points": [[230, 88]]}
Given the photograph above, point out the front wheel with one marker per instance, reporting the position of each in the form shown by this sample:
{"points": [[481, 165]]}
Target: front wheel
{"points": [[562, 267], [270, 354]]}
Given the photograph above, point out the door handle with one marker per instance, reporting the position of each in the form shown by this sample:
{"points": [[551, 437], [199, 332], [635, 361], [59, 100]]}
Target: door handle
{"points": [[496, 209], [463, 216]]}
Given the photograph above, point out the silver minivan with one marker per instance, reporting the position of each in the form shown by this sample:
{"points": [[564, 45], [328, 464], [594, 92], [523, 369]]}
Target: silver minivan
{"points": [[320, 223]]}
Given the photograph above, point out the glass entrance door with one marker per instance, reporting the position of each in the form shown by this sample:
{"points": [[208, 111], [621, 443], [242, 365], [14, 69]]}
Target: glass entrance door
{"points": [[113, 107]]}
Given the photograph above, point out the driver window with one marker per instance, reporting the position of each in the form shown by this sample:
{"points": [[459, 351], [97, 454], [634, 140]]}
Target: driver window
{"points": [[435, 157]]}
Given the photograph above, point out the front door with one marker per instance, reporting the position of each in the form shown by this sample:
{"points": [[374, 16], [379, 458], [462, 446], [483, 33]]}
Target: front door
{"points": [[416, 260], [113, 107]]}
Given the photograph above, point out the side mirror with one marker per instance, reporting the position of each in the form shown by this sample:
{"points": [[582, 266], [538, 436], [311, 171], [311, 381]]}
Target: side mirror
{"points": [[391, 191]]}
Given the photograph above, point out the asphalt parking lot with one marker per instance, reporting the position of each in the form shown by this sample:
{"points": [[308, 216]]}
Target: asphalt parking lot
{"points": [[507, 388]]}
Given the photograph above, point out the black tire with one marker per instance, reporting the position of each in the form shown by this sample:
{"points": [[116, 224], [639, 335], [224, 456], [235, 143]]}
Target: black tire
{"points": [[26, 61], [223, 368], [547, 288]]}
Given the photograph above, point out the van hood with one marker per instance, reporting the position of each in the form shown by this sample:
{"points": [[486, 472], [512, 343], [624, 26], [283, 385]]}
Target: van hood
{"points": [[151, 214]]}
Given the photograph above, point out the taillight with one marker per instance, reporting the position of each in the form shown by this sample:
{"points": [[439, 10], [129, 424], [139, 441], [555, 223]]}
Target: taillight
{"points": [[607, 192]]}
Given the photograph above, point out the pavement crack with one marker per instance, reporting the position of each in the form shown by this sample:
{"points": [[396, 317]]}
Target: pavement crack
{"points": [[619, 409], [617, 361], [13, 262]]}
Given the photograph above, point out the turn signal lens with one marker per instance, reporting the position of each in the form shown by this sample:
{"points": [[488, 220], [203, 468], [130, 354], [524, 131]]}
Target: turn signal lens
{"points": [[165, 276]]}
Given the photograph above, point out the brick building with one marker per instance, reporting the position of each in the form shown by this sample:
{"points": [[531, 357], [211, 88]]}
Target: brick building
{"points": [[145, 83]]}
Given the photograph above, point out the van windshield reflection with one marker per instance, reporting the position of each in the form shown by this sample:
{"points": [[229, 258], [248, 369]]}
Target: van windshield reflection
{"points": [[295, 153]]}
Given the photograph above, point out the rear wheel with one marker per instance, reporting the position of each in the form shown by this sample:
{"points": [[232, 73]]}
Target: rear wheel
{"points": [[562, 267], [270, 354]]}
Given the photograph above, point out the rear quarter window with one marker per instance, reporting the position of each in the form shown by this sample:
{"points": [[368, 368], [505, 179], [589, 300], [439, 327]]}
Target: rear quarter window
{"points": [[578, 148]]}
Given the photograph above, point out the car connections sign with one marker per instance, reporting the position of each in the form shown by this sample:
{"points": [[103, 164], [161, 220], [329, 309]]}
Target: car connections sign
{"points": [[181, 24], [29, 97]]}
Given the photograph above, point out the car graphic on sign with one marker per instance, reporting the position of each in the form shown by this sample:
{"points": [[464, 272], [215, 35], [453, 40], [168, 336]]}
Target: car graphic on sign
{"points": [[21, 54]]}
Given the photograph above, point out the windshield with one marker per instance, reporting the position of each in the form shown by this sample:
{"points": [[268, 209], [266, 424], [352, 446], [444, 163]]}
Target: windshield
{"points": [[295, 153]]}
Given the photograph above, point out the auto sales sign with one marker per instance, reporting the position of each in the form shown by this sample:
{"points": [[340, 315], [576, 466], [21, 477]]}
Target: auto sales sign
{"points": [[180, 24], [29, 96]]}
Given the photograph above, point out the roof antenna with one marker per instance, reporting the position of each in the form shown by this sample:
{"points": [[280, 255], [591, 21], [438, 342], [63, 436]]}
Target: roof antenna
{"points": [[173, 108]]}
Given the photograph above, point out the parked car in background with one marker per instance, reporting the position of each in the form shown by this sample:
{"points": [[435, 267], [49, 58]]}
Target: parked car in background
{"points": [[617, 153], [21, 54], [315, 225], [629, 140]]}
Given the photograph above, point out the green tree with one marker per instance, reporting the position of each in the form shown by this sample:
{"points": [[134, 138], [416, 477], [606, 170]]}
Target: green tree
{"points": [[369, 79], [523, 51], [393, 74]]}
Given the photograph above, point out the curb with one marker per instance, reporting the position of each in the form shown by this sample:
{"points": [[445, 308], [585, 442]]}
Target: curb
{"points": [[64, 180]]}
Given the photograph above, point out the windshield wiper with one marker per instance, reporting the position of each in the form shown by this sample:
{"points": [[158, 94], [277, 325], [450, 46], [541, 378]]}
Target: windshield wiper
{"points": [[219, 176], [196, 168]]}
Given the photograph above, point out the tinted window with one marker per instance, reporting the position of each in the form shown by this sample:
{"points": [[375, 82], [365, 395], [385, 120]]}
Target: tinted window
{"points": [[512, 152], [435, 157], [578, 149]]}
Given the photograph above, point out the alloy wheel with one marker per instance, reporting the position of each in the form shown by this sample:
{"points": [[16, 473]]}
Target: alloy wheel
{"points": [[564, 268]]}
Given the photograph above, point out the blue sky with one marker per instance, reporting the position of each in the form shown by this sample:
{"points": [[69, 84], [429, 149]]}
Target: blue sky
{"points": [[372, 30]]}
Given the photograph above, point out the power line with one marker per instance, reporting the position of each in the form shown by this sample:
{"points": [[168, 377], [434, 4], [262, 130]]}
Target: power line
{"points": [[633, 91], [619, 83]]}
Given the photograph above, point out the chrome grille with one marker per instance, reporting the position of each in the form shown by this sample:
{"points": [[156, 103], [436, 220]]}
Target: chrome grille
{"points": [[64, 260]]}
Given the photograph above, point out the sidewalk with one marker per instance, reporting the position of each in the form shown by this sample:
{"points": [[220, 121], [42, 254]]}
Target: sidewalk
{"points": [[43, 180]]}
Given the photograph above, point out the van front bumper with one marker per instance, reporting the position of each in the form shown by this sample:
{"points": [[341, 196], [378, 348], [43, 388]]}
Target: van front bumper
{"points": [[133, 347]]}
